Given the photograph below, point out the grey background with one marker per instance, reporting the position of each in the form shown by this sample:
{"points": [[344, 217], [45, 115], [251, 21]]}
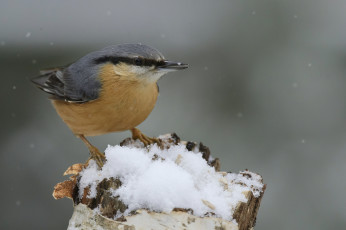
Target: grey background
{"points": [[265, 91]]}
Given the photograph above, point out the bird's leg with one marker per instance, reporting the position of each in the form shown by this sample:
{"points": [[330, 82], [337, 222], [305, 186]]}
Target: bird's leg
{"points": [[137, 134], [94, 152]]}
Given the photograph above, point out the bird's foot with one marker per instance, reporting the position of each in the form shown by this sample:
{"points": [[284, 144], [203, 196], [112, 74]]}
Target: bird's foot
{"points": [[138, 135], [97, 156]]}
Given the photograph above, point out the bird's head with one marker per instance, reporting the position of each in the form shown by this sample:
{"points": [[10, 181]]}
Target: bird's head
{"points": [[132, 61]]}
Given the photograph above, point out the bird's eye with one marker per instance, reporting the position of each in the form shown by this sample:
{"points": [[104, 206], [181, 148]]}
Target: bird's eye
{"points": [[138, 61]]}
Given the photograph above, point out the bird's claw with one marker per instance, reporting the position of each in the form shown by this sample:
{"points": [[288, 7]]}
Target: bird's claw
{"points": [[138, 135], [97, 156]]}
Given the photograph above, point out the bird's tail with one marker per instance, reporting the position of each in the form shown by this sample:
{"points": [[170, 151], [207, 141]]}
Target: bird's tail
{"points": [[50, 81]]}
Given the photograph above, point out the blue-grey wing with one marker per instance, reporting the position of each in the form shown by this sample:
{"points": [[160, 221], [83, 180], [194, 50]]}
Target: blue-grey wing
{"points": [[62, 86]]}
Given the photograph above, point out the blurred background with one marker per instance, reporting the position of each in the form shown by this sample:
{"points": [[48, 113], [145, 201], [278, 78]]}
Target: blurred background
{"points": [[265, 91]]}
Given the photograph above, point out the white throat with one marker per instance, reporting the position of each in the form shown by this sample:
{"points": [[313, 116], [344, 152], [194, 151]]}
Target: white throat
{"points": [[147, 72]]}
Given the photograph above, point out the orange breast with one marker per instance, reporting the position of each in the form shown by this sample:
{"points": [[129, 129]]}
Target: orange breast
{"points": [[124, 103]]}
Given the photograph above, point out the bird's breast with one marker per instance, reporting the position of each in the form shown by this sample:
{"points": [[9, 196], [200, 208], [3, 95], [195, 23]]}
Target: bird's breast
{"points": [[123, 104]]}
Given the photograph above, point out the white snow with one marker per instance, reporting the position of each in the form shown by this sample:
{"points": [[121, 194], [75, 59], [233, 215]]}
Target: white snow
{"points": [[250, 179], [177, 178]]}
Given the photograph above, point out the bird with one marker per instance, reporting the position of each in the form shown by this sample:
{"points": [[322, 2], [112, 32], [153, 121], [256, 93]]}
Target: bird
{"points": [[113, 89]]}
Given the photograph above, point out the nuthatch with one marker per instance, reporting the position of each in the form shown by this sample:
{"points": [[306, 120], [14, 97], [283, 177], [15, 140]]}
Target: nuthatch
{"points": [[113, 89]]}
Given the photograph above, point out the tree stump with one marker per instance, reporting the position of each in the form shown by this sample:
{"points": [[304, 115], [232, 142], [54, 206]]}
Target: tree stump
{"points": [[105, 211]]}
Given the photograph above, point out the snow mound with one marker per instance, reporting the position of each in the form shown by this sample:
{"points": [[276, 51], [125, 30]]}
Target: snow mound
{"points": [[163, 179]]}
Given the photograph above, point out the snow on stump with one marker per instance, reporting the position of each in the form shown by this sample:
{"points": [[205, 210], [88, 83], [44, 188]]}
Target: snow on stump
{"points": [[171, 185]]}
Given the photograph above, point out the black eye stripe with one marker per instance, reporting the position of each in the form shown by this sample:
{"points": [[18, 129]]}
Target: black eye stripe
{"points": [[139, 61]]}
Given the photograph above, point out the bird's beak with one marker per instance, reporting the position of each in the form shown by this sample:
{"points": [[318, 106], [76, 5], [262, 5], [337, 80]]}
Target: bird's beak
{"points": [[168, 66]]}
